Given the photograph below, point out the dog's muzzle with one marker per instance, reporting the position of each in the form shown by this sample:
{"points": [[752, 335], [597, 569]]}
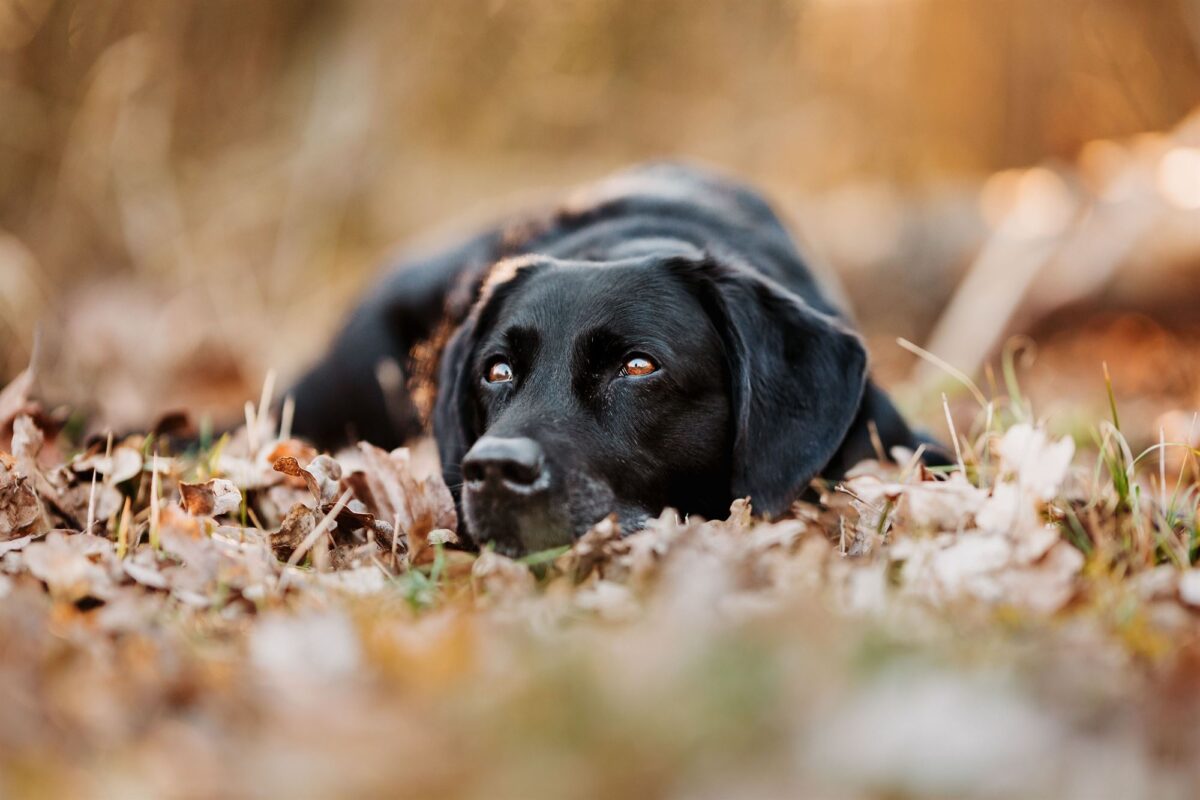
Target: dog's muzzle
{"points": [[507, 497]]}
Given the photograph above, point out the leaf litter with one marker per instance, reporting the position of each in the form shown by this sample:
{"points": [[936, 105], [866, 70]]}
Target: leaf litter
{"points": [[261, 619]]}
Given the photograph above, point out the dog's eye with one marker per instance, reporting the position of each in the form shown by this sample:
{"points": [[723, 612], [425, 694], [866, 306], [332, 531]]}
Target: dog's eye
{"points": [[499, 372], [637, 366]]}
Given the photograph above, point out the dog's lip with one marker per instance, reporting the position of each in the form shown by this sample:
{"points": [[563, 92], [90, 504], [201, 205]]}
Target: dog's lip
{"points": [[505, 548]]}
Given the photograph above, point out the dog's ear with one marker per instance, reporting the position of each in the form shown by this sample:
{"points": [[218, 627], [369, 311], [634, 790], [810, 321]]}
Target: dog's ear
{"points": [[798, 377], [454, 423]]}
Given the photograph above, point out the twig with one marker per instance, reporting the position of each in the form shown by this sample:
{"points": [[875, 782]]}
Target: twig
{"points": [[251, 428], [286, 417], [155, 487], [954, 435], [321, 528], [91, 517], [264, 403]]}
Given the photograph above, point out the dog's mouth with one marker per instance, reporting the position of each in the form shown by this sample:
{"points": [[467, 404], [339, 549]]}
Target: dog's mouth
{"points": [[514, 523], [518, 520]]}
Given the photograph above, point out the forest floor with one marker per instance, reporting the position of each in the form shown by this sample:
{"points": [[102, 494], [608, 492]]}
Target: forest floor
{"points": [[249, 618]]}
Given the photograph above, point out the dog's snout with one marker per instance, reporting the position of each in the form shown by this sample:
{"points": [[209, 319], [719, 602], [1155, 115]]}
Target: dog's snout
{"points": [[516, 463]]}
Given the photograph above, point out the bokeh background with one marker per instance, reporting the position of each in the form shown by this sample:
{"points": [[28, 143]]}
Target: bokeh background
{"points": [[193, 192]]}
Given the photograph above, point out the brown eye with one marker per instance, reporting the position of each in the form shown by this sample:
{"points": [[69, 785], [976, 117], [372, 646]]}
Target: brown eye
{"points": [[638, 366], [500, 372]]}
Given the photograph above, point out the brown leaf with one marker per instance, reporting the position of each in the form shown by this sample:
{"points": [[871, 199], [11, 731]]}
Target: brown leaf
{"points": [[14, 399], [502, 578], [595, 550], [211, 498], [20, 511], [293, 448], [322, 476], [124, 463], [66, 564], [296, 527], [392, 493], [27, 442], [72, 502]]}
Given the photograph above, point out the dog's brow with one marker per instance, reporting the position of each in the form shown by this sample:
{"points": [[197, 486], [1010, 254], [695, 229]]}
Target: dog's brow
{"points": [[522, 340], [599, 342]]}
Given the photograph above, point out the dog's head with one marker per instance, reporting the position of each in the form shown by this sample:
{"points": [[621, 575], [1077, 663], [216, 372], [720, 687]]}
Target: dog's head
{"points": [[576, 390]]}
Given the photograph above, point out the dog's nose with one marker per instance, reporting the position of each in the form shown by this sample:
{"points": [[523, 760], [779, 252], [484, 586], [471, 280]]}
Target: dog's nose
{"points": [[517, 464]]}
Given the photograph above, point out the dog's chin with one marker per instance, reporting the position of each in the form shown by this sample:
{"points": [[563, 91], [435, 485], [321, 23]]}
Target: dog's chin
{"points": [[514, 525], [515, 534]]}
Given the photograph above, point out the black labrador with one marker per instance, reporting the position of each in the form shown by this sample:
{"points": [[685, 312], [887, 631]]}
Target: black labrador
{"points": [[657, 341]]}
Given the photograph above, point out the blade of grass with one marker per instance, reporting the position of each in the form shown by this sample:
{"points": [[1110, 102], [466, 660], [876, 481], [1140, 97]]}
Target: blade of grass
{"points": [[946, 367], [1112, 398]]}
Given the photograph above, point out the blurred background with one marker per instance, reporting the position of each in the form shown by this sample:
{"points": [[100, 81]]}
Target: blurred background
{"points": [[193, 192]]}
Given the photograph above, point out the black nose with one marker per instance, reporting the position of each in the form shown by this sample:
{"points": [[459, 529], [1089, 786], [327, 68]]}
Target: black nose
{"points": [[513, 463]]}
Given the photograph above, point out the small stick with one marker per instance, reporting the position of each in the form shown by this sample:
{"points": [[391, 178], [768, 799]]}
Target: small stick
{"points": [[1162, 469], [286, 416], [251, 428], [264, 403], [395, 535], [91, 517], [954, 435], [155, 489]]}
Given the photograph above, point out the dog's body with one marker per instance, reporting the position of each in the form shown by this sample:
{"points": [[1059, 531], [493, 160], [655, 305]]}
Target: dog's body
{"points": [[658, 341]]}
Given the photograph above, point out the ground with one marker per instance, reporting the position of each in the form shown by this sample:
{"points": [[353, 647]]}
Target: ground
{"points": [[243, 616]]}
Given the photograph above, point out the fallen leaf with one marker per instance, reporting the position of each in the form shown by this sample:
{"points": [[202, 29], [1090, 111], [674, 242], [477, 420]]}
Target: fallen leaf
{"points": [[296, 527], [1039, 464], [67, 564], [211, 498], [1189, 587], [387, 486], [27, 442], [323, 476], [502, 578], [14, 399], [20, 510], [124, 463]]}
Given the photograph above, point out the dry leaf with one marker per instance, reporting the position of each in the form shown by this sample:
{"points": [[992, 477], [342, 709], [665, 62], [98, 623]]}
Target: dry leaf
{"points": [[124, 463], [1189, 587], [14, 399], [20, 511], [501, 577], [27, 442], [211, 498], [67, 564], [296, 527], [386, 485], [1039, 464], [322, 476]]}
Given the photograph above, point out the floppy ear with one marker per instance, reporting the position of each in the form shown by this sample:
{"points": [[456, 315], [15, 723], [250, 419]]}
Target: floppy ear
{"points": [[454, 424], [798, 378]]}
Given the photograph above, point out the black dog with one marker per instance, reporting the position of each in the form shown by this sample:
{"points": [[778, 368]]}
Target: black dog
{"points": [[656, 342]]}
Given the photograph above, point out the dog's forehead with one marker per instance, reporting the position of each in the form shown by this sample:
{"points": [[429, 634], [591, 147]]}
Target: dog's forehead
{"points": [[630, 297]]}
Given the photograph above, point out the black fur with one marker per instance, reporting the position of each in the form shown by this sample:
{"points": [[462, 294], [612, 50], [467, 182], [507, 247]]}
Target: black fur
{"points": [[761, 385]]}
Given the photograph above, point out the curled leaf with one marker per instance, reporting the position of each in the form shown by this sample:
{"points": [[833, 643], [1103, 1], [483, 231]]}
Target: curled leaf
{"points": [[20, 510], [124, 463], [211, 498], [322, 476]]}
